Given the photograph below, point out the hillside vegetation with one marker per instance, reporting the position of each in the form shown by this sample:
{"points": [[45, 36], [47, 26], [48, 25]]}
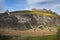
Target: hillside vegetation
{"points": [[43, 12]]}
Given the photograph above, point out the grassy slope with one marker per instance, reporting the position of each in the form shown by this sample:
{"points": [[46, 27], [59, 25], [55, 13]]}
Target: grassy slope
{"points": [[41, 12], [49, 37]]}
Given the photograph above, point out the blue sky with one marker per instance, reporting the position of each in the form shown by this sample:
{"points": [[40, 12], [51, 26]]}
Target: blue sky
{"points": [[13, 5]]}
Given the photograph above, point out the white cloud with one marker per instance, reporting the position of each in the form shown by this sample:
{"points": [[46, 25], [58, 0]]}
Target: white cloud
{"points": [[35, 1], [56, 6]]}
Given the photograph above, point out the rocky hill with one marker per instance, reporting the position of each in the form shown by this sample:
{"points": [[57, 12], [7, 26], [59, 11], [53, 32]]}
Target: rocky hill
{"points": [[29, 19]]}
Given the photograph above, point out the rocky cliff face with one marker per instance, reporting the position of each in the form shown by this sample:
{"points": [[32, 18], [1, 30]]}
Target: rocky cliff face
{"points": [[22, 21], [8, 21]]}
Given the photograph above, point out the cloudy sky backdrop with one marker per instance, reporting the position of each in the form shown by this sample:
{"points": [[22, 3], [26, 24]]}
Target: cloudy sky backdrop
{"points": [[13, 5]]}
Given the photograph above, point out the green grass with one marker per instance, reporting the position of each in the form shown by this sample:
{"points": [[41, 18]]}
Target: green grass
{"points": [[50, 37]]}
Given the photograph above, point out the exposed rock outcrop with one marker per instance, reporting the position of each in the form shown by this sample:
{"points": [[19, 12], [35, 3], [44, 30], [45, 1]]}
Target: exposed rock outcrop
{"points": [[23, 20]]}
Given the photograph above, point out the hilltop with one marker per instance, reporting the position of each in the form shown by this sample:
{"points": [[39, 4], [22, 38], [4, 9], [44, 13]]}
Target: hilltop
{"points": [[29, 20], [43, 12]]}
